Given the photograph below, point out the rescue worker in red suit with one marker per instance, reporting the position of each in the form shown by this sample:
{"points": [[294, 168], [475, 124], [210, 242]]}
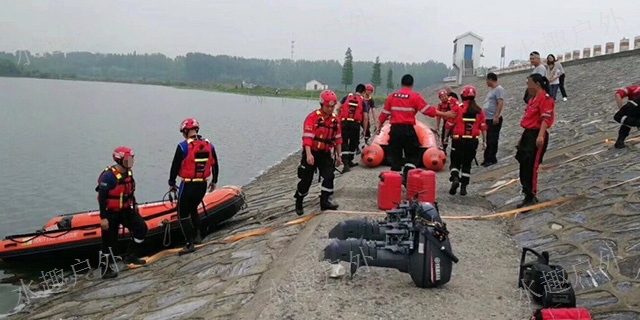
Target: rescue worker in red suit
{"points": [[117, 203], [321, 133], [195, 161], [628, 114], [465, 129], [538, 118], [352, 114], [447, 103], [402, 107], [368, 99]]}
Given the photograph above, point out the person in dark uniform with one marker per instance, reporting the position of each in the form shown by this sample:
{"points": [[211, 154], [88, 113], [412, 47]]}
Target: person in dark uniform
{"points": [[466, 128], [116, 200], [538, 118], [402, 107], [353, 114], [628, 114], [321, 134], [195, 160]]}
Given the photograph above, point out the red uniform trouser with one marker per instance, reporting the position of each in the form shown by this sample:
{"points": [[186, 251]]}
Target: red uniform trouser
{"points": [[530, 157]]}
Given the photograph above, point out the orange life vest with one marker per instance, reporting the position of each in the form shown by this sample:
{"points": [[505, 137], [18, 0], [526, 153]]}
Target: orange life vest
{"points": [[352, 109], [120, 197], [467, 125], [196, 166], [325, 132]]}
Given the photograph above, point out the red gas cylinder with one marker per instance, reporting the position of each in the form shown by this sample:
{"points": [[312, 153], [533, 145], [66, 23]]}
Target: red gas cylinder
{"points": [[423, 182], [389, 190]]}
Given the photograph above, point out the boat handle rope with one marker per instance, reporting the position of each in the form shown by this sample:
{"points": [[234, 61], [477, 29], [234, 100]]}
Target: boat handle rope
{"points": [[167, 232]]}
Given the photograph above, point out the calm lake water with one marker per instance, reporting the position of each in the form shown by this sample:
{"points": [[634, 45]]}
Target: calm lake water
{"points": [[57, 136]]}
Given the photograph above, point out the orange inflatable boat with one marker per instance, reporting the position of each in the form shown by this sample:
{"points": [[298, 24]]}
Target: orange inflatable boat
{"points": [[78, 234], [427, 137]]}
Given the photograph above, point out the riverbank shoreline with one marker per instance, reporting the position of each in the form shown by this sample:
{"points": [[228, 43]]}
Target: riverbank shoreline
{"points": [[257, 91]]}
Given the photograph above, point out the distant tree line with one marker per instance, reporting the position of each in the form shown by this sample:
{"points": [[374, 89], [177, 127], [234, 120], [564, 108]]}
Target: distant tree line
{"points": [[205, 68]]}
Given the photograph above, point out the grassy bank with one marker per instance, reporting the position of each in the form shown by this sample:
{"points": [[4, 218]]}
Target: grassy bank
{"points": [[255, 91], [267, 91]]}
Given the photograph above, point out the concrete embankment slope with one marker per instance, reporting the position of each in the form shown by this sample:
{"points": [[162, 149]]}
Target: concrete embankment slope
{"points": [[276, 275], [599, 233]]}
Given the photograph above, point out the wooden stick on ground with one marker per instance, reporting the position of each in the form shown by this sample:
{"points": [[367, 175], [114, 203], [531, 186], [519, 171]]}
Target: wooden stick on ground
{"points": [[512, 212], [496, 189], [621, 183], [546, 167]]}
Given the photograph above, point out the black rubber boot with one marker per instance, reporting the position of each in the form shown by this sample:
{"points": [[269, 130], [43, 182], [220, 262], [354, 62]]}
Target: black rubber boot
{"points": [[299, 205], [623, 133], [133, 254], [198, 238], [346, 167], [619, 142], [189, 248], [463, 190], [528, 201], [108, 272], [455, 183], [327, 204]]}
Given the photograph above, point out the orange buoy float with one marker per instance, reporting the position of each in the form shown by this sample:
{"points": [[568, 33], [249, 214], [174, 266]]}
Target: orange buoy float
{"points": [[372, 155], [434, 159]]}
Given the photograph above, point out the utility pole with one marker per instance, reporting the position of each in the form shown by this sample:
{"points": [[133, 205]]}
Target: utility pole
{"points": [[292, 45]]}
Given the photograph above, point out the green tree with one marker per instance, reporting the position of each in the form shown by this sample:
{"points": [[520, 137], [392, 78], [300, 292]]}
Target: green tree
{"points": [[347, 69], [389, 81], [197, 69], [376, 77]]}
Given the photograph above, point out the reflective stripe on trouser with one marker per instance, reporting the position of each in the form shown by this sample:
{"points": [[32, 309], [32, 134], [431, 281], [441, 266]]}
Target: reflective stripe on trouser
{"points": [[463, 151], [324, 164], [350, 140], [530, 157]]}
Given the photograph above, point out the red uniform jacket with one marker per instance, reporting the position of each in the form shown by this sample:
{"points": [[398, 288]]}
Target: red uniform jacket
{"points": [[447, 106], [402, 107], [539, 109], [466, 125], [353, 108], [632, 92], [321, 132]]}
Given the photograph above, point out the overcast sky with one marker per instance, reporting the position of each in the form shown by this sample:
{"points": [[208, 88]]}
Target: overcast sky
{"points": [[408, 30]]}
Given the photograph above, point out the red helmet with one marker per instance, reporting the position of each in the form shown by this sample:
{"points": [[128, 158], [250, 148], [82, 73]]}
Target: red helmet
{"points": [[189, 124], [442, 93], [369, 87], [120, 153], [328, 98], [468, 92]]}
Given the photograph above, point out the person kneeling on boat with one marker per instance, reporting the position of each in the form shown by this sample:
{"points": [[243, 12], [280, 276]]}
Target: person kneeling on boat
{"points": [[321, 134], [116, 200], [469, 123], [194, 161]]}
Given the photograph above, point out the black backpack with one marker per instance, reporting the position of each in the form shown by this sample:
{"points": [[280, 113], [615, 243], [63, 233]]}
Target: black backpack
{"points": [[547, 284]]}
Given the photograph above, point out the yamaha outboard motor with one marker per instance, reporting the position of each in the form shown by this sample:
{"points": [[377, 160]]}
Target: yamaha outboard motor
{"points": [[412, 239]]}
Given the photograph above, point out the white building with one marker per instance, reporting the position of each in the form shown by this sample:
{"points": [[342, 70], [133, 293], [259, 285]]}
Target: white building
{"points": [[315, 85], [467, 51]]}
